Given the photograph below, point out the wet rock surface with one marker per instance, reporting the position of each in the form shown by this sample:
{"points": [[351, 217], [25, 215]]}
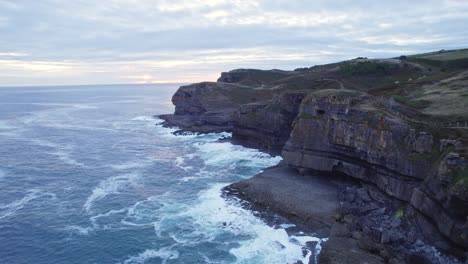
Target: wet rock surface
{"points": [[311, 202]]}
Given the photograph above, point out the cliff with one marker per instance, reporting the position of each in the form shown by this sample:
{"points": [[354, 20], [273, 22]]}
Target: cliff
{"points": [[358, 135], [396, 127]]}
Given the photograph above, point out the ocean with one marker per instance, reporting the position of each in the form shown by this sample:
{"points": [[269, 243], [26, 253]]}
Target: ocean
{"points": [[87, 175]]}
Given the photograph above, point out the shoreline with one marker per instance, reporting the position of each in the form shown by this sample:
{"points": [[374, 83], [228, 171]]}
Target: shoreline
{"points": [[410, 200], [342, 223]]}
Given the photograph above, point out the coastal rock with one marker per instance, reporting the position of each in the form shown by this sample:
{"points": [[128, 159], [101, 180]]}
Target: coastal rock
{"points": [[410, 167], [353, 133], [310, 201], [340, 250], [208, 106], [267, 124]]}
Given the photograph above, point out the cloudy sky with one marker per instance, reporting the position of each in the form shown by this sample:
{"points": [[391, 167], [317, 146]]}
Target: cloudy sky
{"points": [[53, 42]]}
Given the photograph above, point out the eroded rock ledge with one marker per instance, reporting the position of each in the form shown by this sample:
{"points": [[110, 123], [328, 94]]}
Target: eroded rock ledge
{"points": [[412, 193]]}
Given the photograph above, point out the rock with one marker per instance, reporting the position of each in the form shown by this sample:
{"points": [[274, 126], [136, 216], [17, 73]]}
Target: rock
{"points": [[445, 143], [363, 195], [368, 243], [385, 237], [350, 196], [396, 237], [338, 250], [339, 230], [419, 243], [319, 125], [384, 254], [396, 222], [418, 258], [338, 217], [423, 143], [267, 124], [349, 218], [395, 261], [352, 226], [357, 235], [351, 139], [310, 201], [377, 195], [277, 245]]}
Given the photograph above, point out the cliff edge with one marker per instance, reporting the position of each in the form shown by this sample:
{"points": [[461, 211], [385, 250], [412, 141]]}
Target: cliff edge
{"points": [[398, 128]]}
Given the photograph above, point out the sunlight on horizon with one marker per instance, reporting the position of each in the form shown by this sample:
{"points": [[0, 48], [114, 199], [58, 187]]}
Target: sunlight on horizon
{"points": [[120, 41]]}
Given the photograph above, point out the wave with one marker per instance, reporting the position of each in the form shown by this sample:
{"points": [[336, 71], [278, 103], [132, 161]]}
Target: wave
{"points": [[180, 161], [131, 165], [80, 230], [62, 152], [152, 211], [264, 244], [225, 154], [146, 118], [165, 254], [168, 133], [5, 125], [109, 186], [65, 157], [11, 208]]}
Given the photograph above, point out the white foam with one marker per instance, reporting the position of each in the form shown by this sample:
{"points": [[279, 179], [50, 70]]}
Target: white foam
{"points": [[189, 178], [5, 125], [11, 208], [168, 132], [109, 186], [9, 134], [146, 118], [266, 244], [131, 165], [165, 254], [224, 154], [62, 152], [77, 127], [94, 223], [65, 157], [180, 161], [83, 231], [151, 211]]}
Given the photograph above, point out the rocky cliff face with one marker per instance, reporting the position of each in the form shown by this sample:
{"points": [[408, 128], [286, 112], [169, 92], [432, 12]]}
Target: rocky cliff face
{"points": [[353, 133], [363, 119], [208, 106], [267, 124]]}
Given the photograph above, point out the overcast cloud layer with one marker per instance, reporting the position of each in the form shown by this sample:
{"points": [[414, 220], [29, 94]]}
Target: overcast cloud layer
{"points": [[45, 42]]}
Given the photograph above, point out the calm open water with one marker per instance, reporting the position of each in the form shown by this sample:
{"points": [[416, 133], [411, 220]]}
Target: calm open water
{"points": [[86, 176]]}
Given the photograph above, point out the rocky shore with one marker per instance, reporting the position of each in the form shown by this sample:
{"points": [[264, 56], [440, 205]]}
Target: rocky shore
{"points": [[384, 179]]}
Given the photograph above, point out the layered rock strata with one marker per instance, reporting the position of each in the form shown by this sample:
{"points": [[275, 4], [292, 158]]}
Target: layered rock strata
{"points": [[412, 191]]}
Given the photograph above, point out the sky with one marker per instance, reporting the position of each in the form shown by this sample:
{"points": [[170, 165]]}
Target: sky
{"points": [[56, 42]]}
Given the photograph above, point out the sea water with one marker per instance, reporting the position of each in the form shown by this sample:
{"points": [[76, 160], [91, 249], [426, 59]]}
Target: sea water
{"points": [[88, 176]]}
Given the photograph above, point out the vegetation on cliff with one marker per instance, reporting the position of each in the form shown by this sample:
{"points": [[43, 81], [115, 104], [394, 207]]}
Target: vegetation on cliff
{"points": [[399, 126]]}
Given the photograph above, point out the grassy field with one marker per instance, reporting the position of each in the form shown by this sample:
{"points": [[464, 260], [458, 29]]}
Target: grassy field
{"points": [[443, 60], [443, 55]]}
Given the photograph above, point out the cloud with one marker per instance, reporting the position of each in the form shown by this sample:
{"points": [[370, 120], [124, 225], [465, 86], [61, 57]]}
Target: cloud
{"points": [[87, 41]]}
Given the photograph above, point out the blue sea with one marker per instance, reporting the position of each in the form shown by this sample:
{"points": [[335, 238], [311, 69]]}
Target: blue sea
{"points": [[87, 175]]}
